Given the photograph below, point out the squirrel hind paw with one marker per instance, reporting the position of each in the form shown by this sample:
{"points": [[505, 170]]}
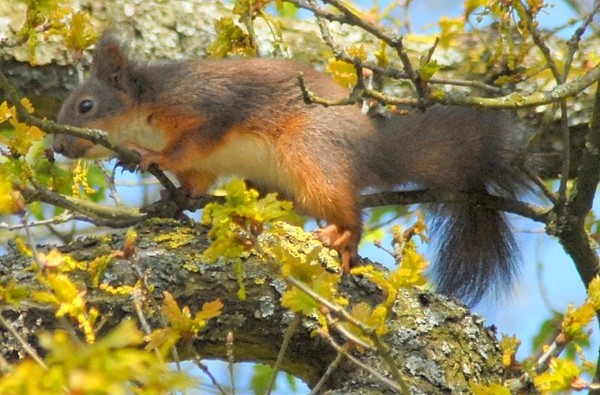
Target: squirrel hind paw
{"points": [[340, 240]]}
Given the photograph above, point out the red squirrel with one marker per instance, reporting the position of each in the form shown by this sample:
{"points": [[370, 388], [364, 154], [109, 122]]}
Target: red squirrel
{"points": [[247, 117]]}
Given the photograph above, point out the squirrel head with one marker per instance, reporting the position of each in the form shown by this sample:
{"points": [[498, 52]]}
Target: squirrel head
{"points": [[103, 97]]}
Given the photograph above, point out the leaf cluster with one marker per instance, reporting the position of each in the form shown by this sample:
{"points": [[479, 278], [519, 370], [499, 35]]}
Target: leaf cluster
{"points": [[113, 365]]}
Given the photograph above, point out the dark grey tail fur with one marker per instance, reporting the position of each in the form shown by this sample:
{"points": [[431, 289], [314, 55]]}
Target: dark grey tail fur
{"points": [[466, 150], [476, 251]]}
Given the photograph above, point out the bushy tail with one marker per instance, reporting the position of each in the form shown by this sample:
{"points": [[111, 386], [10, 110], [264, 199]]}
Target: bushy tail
{"points": [[476, 251], [464, 150]]}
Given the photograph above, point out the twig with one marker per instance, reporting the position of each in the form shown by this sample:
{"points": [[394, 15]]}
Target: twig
{"points": [[289, 332], [368, 331], [573, 42], [514, 100], [391, 38], [86, 210], [310, 98], [528, 210], [63, 217], [134, 264], [549, 193], [109, 176], [230, 360], [28, 349], [207, 372], [403, 389], [331, 368], [538, 39], [136, 297]]}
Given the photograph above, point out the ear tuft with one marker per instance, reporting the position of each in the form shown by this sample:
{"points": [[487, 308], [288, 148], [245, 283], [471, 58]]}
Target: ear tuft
{"points": [[110, 63]]}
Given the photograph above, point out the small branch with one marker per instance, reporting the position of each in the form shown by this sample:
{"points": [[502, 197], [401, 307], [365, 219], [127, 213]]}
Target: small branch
{"points": [[538, 40], [493, 90], [338, 311], [146, 290], [310, 97], [553, 351], [86, 210], [387, 99], [573, 43], [389, 37], [536, 213], [230, 361], [331, 368], [400, 388], [511, 101], [137, 297], [515, 100], [326, 35], [289, 332], [28, 349], [432, 50], [548, 193], [207, 372], [109, 177], [66, 216], [384, 350]]}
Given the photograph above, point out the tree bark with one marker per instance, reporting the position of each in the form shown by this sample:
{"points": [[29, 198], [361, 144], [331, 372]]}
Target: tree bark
{"points": [[438, 345]]}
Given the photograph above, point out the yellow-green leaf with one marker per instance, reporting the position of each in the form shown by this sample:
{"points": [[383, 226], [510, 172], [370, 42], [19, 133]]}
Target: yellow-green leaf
{"points": [[577, 319], [12, 293], [509, 346], [8, 197], [594, 292], [374, 318], [80, 33], [210, 310], [471, 5], [358, 51], [231, 39], [343, 72], [492, 389], [24, 136], [381, 55], [558, 378], [297, 301]]}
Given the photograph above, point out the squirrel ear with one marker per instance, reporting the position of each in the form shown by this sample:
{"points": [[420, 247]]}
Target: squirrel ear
{"points": [[110, 63]]}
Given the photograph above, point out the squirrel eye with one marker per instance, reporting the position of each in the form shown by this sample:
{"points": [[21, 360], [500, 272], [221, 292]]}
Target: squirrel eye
{"points": [[86, 106]]}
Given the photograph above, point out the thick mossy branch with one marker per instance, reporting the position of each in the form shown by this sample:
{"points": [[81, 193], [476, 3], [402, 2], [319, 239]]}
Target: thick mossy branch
{"points": [[439, 345]]}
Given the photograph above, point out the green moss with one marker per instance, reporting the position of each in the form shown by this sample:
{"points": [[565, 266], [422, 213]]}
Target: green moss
{"points": [[174, 240]]}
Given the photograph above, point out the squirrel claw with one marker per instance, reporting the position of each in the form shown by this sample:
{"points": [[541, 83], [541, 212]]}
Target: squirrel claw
{"points": [[126, 166], [332, 237]]}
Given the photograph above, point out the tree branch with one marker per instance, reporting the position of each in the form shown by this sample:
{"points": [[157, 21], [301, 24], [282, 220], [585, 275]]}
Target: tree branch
{"points": [[536, 213], [259, 322]]}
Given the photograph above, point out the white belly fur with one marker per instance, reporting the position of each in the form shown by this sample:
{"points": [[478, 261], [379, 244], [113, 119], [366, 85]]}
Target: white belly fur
{"points": [[251, 157]]}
